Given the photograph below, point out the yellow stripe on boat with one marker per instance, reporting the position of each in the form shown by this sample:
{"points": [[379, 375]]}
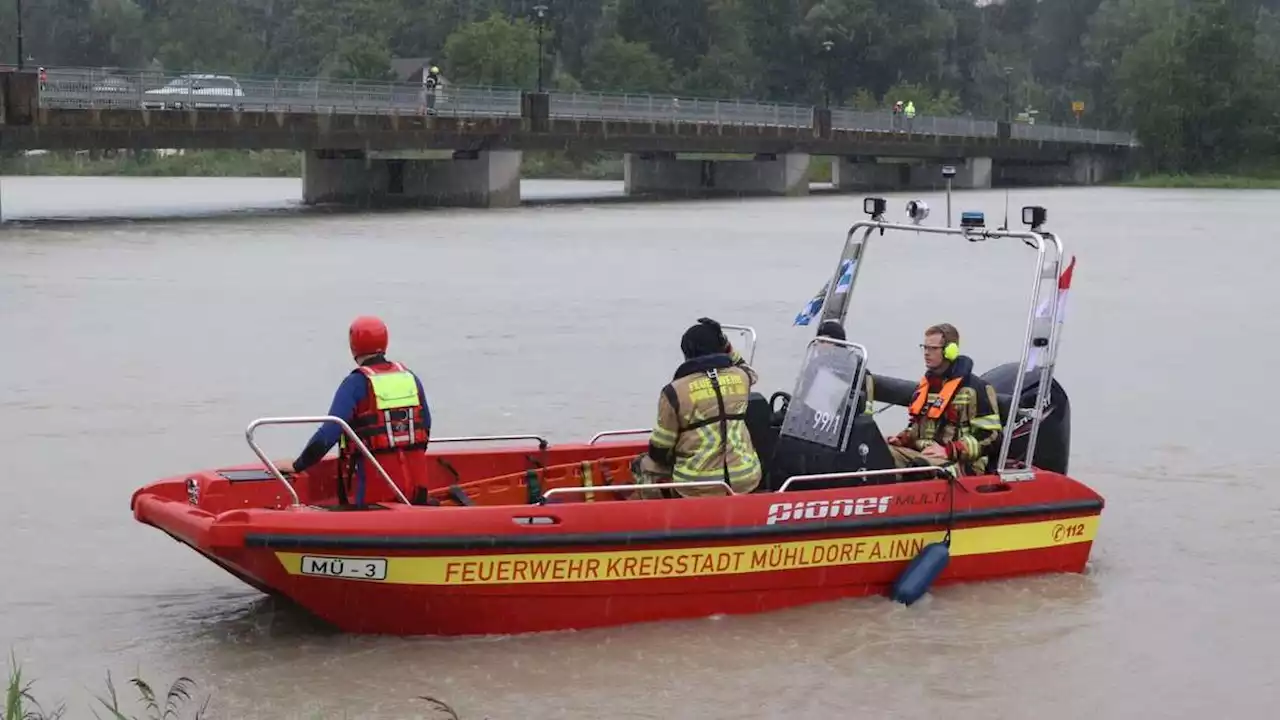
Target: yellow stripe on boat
{"points": [[518, 568]]}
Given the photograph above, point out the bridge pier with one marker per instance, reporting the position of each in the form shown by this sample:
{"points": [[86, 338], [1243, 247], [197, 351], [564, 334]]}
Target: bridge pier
{"points": [[1081, 168], [665, 174], [481, 179], [867, 174]]}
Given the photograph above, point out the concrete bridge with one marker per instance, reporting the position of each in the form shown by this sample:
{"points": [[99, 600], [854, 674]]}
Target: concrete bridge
{"points": [[371, 143]]}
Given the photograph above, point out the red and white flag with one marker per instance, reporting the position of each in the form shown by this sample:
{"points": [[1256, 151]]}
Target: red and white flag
{"points": [[1042, 312]]}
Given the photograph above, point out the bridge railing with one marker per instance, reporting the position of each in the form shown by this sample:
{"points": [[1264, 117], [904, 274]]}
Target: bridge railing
{"points": [[1058, 133], [659, 108], [886, 121], [88, 88]]}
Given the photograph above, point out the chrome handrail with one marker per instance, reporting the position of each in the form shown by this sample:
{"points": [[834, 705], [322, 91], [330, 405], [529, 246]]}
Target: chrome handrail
{"points": [[654, 486], [859, 474], [751, 333], [542, 442], [611, 433], [271, 467]]}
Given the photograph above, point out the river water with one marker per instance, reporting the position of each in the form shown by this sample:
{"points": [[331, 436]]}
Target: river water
{"points": [[134, 350]]}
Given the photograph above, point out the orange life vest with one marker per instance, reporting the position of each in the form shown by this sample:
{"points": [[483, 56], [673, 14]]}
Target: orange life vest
{"points": [[940, 401]]}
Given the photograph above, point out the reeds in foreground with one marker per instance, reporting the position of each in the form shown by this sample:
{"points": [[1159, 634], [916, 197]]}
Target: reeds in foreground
{"points": [[21, 704]]}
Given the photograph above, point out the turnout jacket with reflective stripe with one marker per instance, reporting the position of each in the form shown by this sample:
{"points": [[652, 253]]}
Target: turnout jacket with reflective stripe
{"points": [[701, 430], [959, 411]]}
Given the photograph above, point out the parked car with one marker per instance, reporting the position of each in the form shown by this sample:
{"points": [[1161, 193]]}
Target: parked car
{"points": [[196, 91]]}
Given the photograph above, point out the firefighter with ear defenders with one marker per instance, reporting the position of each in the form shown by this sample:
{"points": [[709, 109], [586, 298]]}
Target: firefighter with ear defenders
{"points": [[701, 431], [954, 414]]}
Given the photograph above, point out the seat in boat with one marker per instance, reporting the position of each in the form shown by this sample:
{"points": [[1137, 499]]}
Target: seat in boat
{"points": [[811, 427], [764, 434], [867, 450]]}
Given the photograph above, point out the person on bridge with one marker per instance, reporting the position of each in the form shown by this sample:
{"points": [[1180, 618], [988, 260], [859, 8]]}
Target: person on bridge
{"points": [[385, 405], [430, 81], [701, 431], [954, 415]]}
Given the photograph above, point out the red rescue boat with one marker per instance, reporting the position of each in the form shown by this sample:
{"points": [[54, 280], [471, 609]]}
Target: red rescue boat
{"points": [[521, 539]]}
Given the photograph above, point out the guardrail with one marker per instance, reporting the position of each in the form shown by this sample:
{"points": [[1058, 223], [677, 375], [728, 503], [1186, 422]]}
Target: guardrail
{"points": [[657, 108], [842, 119], [91, 88]]}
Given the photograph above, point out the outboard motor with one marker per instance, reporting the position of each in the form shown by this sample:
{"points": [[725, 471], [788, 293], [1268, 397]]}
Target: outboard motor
{"points": [[1053, 444]]}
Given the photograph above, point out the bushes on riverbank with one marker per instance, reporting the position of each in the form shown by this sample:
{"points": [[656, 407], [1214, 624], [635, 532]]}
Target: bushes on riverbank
{"points": [[149, 163], [1245, 180]]}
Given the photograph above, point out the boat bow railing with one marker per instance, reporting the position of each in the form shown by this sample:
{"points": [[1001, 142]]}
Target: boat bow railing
{"points": [[616, 433], [310, 419], [542, 442]]}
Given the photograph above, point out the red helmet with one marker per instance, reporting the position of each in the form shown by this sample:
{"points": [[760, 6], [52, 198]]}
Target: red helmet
{"points": [[368, 336]]}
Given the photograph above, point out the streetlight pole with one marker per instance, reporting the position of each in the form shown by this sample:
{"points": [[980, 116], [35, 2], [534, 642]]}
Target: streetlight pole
{"points": [[19, 4], [1008, 95], [541, 10], [826, 86]]}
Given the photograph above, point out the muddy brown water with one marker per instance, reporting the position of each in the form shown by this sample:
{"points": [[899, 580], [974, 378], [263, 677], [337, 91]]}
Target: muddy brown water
{"points": [[136, 350]]}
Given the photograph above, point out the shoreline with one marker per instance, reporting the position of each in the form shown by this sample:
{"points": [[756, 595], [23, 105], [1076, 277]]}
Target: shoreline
{"points": [[539, 165], [1261, 180], [542, 165]]}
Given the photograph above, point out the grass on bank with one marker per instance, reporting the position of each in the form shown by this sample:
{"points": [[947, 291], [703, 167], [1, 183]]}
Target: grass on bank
{"points": [[20, 703], [1207, 181], [148, 163]]}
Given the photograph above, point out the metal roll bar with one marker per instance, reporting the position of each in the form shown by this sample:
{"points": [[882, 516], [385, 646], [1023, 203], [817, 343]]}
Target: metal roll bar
{"points": [[859, 474], [346, 429], [751, 335], [542, 442], [654, 486], [613, 433], [1041, 241]]}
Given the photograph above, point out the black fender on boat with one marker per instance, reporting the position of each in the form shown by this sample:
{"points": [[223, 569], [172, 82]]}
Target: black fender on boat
{"points": [[1053, 444]]}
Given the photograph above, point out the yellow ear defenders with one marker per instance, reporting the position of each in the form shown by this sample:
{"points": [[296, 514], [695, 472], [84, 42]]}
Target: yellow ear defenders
{"points": [[951, 352]]}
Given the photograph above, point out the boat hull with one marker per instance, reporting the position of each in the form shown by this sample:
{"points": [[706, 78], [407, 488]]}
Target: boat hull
{"points": [[518, 568], [465, 594]]}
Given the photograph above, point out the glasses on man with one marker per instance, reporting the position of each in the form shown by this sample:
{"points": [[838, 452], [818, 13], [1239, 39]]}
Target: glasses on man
{"points": [[927, 348]]}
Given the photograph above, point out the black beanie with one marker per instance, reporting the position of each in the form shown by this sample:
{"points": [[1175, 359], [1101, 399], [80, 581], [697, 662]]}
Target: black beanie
{"points": [[831, 329], [705, 338]]}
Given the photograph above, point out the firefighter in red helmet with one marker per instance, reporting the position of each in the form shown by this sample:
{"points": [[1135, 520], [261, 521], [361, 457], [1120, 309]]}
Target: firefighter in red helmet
{"points": [[385, 405]]}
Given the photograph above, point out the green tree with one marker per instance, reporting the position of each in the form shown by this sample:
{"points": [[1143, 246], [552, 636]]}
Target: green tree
{"points": [[679, 30], [1189, 86], [495, 51], [621, 66]]}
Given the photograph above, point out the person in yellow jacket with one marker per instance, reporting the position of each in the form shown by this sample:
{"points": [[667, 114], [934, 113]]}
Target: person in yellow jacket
{"points": [[701, 431]]}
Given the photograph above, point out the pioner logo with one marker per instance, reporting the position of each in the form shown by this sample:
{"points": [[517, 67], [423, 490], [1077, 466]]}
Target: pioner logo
{"points": [[823, 509]]}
